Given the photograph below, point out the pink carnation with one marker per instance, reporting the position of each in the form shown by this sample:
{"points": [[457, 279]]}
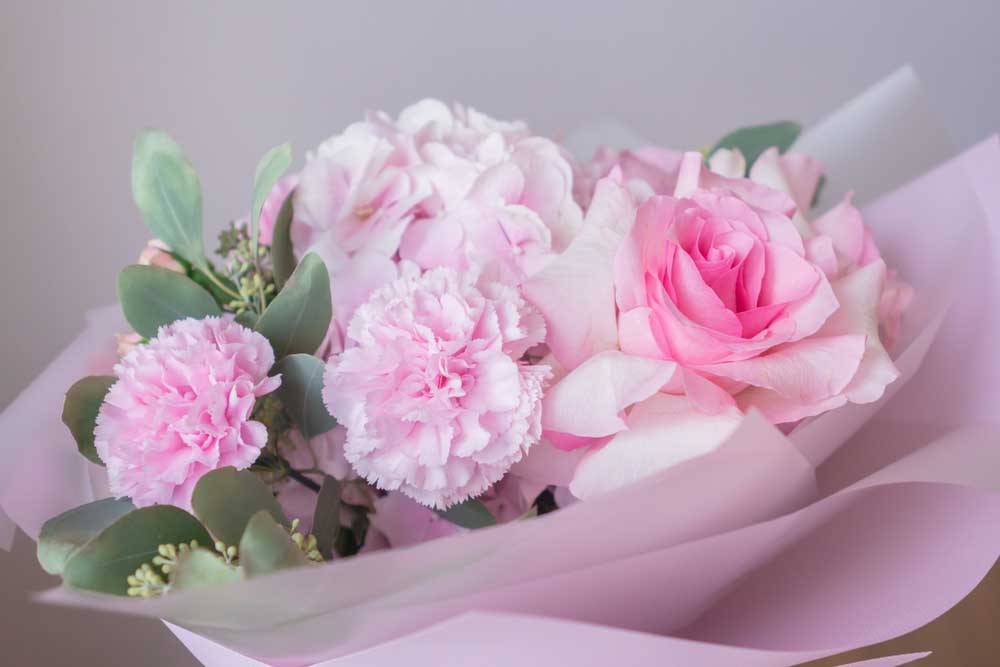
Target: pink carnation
{"points": [[181, 408], [435, 401]]}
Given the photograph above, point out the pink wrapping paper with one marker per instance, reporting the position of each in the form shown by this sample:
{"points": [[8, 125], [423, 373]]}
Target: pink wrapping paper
{"points": [[770, 551]]}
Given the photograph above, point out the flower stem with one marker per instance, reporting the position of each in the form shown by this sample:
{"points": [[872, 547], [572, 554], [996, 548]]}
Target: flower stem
{"points": [[218, 283], [303, 480]]}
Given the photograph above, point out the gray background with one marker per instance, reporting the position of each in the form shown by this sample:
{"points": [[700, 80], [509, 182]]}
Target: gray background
{"points": [[230, 80]]}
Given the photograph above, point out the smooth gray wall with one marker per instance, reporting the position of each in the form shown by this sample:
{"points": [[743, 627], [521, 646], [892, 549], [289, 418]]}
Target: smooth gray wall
{"points": [[229, 80]]}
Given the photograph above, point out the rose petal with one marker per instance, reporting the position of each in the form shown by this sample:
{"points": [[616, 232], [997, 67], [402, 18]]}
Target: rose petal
{"points": [[663, 431], [589, 401]]}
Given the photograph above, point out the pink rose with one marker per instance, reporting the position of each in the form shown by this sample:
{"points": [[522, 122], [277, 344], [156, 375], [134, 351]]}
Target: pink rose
{"points": [[709, 295], [431, 390], [181, 408]]}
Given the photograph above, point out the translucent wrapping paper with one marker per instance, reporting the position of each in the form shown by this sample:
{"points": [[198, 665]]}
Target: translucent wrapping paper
{"points": [[857, 526]]}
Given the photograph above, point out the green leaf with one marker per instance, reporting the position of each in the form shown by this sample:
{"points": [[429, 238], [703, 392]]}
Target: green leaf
{"points": [[301, 392], [326, 518], [819, 191], [165, 187], [269, 170], [63, 535], [198, 568], [226, 498], [104, 563], [754, 140], [298, 318], [267, 547], [247, 318], [282, 256], [152, 297], [83, 401], [471, 514]]}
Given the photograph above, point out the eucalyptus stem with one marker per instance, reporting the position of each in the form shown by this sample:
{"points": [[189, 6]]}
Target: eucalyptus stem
{"points": [[303, 480], [210, 274]]}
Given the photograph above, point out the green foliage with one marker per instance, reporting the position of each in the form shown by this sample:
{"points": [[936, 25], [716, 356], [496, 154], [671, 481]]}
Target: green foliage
{"points": [[167, 192], [282, 256], [754, 140], [104, 563], [298, 318], [152, 297], [326, 518], [301, 392], [269, 170], [62, 536], [471, 514], [197, 568], [83, 401], [226, 498], [267, 547]]}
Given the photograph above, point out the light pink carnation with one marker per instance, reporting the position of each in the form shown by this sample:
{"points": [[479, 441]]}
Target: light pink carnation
{"points": [[435, 401], [181, 408]]}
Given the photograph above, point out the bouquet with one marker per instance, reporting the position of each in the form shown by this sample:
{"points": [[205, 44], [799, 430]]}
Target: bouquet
{"points": [[452, 384]]}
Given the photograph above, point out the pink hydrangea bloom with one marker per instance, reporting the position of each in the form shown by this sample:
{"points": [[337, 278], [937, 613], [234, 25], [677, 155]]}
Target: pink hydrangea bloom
{"points": [[435, 401], [437, 186], [181, 408]]}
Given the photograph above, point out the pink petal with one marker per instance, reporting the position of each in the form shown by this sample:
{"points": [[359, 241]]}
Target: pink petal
{"points": [[846, 228], [860, 294], [575, 293], [590, 400], [808, 370], [802, 173], [663, 431]]}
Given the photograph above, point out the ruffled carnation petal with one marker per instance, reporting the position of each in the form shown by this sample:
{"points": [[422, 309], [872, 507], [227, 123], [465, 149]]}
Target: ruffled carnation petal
{"points": [[181, 408], [434, 403]]}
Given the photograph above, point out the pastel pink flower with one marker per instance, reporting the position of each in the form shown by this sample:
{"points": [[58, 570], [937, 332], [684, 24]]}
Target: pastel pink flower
{"points": [[644, 171], [502, 199], [437, 186], [181, 408], [436, 402], [704, 303]]}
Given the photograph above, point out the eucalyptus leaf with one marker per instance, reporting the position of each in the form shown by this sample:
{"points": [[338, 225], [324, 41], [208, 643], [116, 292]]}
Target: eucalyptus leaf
{"points": [[104, 563], [83, 401], [247, 318], [297, 319], [167, 192], [225, 499], [471, 514], [152, 296], [61, 536], [198, 568], [818, 192], [754, 140], [326, 517], [282, 255], [268, 547], [269, 170], [301, 392]]}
